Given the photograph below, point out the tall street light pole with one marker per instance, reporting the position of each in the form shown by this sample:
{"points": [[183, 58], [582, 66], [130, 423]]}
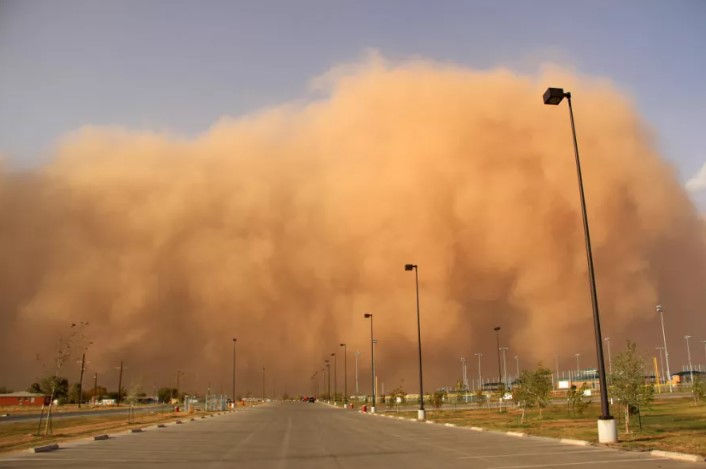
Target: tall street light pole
{"points": [[497, 343], [357, 391], [704, 342], [335, 378], [610, 361], [328, 385], [233, 395], [421, 414], [372, 360], [688, 352], [263, 384], [517, 363], [578, 367], [504, 349], [660, 310], [345, 374], [480, 376], [607, 431]]}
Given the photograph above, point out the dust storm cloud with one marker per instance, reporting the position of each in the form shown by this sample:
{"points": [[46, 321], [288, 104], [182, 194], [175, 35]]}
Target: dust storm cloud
{"points": [[283, 227]]}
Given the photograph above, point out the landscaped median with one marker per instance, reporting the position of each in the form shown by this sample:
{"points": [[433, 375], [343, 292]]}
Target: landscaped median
{"points": [[674, 425], [22, 434]]}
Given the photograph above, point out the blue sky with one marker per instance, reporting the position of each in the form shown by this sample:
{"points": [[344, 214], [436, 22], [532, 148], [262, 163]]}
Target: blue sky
{"points": [[178, 65]]}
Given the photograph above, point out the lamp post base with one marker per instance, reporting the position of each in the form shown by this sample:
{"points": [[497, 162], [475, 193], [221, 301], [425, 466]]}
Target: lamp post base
{"points": [[421, 415], [372, 410], [607, 431]]}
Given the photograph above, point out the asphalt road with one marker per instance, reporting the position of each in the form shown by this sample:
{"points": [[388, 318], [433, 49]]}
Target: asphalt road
{"points": [[83, 413], [304, 435]]}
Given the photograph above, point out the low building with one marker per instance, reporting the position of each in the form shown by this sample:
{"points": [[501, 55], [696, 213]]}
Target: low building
{"points": [[23, 398]]}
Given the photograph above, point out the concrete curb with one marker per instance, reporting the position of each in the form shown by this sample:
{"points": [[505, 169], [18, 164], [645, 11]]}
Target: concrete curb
{"points": [[477, 429], [677, 456], [517, 434], [100, 437], [569, 441], [44, 449], [449, 424]]}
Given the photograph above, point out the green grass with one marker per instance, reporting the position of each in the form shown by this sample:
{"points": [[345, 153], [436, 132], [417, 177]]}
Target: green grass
{"points": [[668, 424]]}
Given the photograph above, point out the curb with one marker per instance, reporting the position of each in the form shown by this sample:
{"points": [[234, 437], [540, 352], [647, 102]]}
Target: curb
{"points": [[44, 449], [449, 424], [100, 437], [477, 429], [517, 434], [677, 456], [569, 441]]}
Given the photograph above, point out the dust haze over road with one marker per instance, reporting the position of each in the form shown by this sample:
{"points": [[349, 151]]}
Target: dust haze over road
{"points": [[284, 226]]}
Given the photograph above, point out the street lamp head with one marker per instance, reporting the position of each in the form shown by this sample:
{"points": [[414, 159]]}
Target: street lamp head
{"points": [[497, 328], [659, 308], [234, 339], [554, 96], [409, 266], [368, 315], [333, 354], [342, 345]]}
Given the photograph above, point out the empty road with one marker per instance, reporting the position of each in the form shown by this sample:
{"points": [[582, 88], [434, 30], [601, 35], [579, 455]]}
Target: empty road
{"points": [[304, 435]]}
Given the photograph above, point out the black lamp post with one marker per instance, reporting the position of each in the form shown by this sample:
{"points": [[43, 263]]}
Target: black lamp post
{"points": [[335, 377], [421, 414], [497, 342], [233, 396], [328, 386], [345, 374], [607, 432], [372, 359]]}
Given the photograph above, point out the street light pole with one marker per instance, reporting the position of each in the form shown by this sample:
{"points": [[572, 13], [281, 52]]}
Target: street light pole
{"points": [[480, 377], [578, 368], [504, 349], [233, 396], [497, 343], [660, 310], [688, 352], [517, 363], [263, 384], [357, 390], [328, 385], [372, 360], [607, 431], [345, 374], [421, 413], [335, 378]]}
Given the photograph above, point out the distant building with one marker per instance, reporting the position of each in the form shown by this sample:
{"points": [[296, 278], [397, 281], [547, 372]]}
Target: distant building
{"points": [[23, 398]]}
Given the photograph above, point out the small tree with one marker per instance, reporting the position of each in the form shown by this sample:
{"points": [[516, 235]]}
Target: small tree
{"points": [[534, 388], [437, 399], [628, 382], [480, 397], [576, 401]]}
